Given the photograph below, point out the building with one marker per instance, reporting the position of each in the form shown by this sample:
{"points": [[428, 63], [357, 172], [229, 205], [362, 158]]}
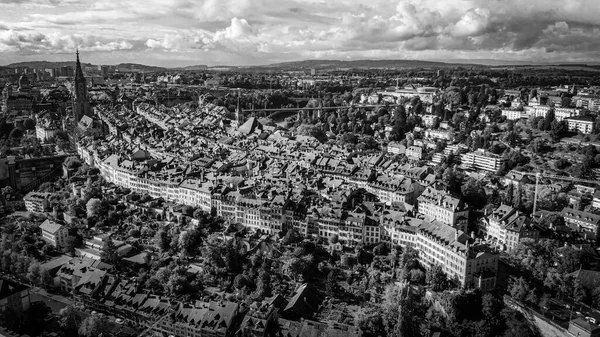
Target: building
{"points": [[439, 134], [471, 265], [396, 148], [443, 207], [581, 124], [482, 160], [512, 114], [81, 105], [414, 152], [20, 100], [36, 201], [559, 113], [54, 233], [506, 227], [581, 221], [516, 179], [579, 327], [14, 296]]}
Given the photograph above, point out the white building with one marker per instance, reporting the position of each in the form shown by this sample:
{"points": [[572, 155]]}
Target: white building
{"points": [[472, 265], [54, 233], [584, 125], [482, 160], [443, 207]]}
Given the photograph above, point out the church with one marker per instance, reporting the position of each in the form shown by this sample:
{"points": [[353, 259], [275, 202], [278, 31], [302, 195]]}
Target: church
{"points": [[81, 104]]}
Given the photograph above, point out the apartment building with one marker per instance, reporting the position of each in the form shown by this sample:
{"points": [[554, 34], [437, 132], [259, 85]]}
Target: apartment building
{"points": [[414, 152], [439, 134], [581, 221], [506, 227], [472, 265], [443, 207], [559, 113], [396, 148], [512, 114], [14, 296], [482, 160], [581, 124], [54, 233], [36, 201]]}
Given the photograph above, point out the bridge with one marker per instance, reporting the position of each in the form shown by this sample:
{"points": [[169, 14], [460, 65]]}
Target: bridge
{"points": [[273, 113]]}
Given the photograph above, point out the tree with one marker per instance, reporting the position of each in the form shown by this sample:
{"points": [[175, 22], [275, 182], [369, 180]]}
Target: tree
{"points": [[29, 124], [93, 207], [33, 273], [334, 239], [474, 193], [95, 326], [548, 120], [544, 302], [45, 278], [70, 243], [109, 252], [69, 320], [436, 278], [162, 240], [290, 237], [417, 276], [519, 290], [371, 323], [331, 283], [35, 318]]}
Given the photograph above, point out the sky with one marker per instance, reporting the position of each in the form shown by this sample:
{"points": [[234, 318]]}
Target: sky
{"points": [[253, 32]]}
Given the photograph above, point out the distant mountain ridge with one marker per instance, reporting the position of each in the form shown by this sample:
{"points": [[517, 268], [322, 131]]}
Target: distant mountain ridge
{"points": [[334, 64], [47, 65], [304, 65]]}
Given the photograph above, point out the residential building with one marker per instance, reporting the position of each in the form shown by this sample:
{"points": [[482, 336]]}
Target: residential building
{"points": [[414, 152], [439, 134], [581, 221], [596, 200], [516, 179], [506, 227], [396, 148], [559, 113], [54, 233], [482, 160], [471, 265], [439, 205], [36, 201], [14, 296], [513, 114], [581, 124], [579, 327]]}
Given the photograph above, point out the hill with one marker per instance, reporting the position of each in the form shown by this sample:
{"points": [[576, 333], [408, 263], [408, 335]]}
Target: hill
{"points": [[43, 64], [139, 67], [357, 64]]}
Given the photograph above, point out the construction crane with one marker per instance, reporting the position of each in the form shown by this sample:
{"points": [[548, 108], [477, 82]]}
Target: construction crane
{"points": [[539, 175]]}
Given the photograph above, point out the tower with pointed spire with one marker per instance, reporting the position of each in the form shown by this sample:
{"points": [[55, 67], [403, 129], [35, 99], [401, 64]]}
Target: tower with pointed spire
{"points": [[81, 105]]}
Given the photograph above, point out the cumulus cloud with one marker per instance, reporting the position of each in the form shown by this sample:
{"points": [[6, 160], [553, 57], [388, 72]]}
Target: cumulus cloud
{"points": [[473, 23], [260, 30]]}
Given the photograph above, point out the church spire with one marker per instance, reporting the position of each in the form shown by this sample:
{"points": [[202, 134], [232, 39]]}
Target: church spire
{"points": [[78, 71], [81, 105]]}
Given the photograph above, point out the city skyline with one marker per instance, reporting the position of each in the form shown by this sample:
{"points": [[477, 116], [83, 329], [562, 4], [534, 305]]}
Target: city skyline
{"points": [[181, 32]]}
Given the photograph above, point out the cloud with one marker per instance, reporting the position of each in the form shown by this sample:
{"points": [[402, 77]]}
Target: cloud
{"points": [[473, 23], [261, 30]]}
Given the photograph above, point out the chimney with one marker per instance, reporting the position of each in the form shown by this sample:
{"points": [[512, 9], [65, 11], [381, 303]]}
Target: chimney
{"points": [[455, 233], [473, 235]]}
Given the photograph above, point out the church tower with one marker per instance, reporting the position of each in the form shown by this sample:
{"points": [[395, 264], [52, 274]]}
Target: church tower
{"points": [[239, 113], [81, 105]]}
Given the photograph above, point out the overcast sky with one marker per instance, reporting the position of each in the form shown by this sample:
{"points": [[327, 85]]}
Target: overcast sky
{"points": [[242, 32]]}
